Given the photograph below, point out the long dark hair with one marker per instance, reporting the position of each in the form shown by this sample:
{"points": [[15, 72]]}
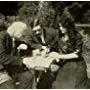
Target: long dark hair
{"points": [[67, 21]]}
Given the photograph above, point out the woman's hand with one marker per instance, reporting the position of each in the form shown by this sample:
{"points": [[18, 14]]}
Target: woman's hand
{"points": [[68, 56], [54, 55]]}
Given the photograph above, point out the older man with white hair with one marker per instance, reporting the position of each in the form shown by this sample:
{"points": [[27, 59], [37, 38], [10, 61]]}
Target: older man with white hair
{"points": [[11, 64]]}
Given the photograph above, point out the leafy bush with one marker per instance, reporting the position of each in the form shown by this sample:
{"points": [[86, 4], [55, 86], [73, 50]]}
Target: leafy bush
{"points": [[28, 10], [46, 13], [86, 17]]}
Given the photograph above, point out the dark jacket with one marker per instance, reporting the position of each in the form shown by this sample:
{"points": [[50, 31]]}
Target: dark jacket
{"points": [[6, 49]]}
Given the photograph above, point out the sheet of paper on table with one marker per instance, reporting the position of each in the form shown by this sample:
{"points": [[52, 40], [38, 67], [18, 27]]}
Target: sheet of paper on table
{"points": [[38, 61]]}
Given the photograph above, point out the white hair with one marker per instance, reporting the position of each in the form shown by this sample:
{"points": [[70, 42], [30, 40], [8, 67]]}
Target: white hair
{"points": [[16, 29]]}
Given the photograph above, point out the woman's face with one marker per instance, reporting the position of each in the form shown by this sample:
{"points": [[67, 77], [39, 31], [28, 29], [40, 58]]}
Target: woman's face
{"points": [[62, 29]]}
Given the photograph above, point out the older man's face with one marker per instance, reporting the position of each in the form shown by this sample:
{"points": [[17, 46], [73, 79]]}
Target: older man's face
{"points": [[37, 30]]}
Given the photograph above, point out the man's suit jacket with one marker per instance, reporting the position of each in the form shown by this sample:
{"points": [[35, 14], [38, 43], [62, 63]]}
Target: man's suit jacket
{"points": [[50, 37]]}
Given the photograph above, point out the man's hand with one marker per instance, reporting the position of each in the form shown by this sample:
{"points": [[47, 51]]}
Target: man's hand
{"points": [[44, 51], [36, 52], [44, 47], [22, 47]]}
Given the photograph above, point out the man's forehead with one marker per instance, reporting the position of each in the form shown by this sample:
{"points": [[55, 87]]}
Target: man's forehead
{"points": [[36, 28]]}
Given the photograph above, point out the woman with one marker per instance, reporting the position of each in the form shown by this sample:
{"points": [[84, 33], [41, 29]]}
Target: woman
{"points": [[72, 72]]}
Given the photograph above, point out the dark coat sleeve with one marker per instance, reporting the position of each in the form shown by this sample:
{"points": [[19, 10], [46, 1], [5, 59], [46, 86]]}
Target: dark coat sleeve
{"points": [[28, 38], [55, 36], [78, 43], [6, 58], [35, 45]]}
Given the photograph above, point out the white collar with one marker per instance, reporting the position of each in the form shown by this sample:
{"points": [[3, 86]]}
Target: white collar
{"points": [[42, 37]]}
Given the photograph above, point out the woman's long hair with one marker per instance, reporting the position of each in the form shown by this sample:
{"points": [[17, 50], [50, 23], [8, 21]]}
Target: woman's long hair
{"points": [[67, 21]]}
